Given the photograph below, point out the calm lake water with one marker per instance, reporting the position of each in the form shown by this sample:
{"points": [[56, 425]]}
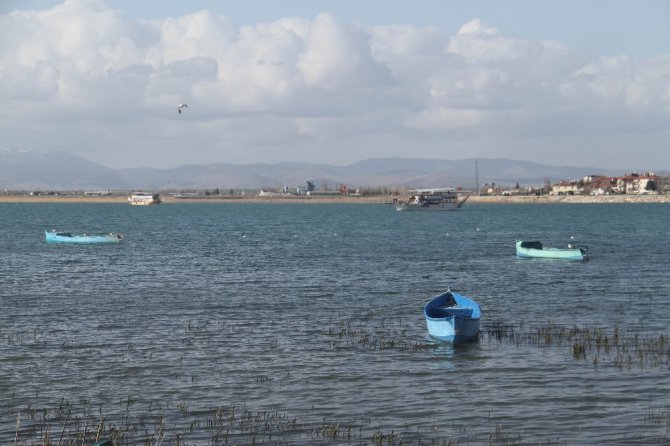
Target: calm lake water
{"points": [[303, 324]]}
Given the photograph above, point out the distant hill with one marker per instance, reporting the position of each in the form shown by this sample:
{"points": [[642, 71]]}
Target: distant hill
{"points": [[29, 170]]}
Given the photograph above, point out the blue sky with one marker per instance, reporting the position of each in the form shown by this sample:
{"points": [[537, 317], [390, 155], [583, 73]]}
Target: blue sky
{"points": [[562, 83]]}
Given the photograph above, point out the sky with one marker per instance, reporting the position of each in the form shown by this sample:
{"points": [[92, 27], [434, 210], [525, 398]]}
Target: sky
{"points": [[569, 83]]}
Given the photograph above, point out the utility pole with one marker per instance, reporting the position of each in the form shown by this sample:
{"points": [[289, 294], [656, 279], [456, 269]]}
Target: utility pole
{"points": [[477, 177]]}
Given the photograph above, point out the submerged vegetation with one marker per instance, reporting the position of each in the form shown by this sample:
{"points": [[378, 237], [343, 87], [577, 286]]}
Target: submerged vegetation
{"points": [[600, 345], [68, 424], [40, 419]]}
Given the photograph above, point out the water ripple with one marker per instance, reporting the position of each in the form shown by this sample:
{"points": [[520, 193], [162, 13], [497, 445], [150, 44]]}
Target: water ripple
{"points": [[303, 324]]}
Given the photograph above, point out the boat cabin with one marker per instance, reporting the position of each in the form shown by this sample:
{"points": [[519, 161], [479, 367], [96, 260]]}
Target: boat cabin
{"points": [[532, 245]]}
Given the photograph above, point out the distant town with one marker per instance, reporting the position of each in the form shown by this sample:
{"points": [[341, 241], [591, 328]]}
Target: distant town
{"points": [[629, 184], [594, 185]]}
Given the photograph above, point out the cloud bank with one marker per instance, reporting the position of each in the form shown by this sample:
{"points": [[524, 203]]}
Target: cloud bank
{"points": [[85, 78]]}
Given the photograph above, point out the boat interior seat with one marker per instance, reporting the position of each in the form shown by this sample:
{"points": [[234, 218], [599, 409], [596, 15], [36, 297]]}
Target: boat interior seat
{"points": [[439, 312], [531, 245]]}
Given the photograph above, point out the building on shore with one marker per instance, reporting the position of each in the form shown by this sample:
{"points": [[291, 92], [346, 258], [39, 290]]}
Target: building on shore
{"points": [[629, 184]]}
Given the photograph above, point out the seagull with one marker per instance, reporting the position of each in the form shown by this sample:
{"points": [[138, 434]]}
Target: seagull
{"points": [[180, 106]]}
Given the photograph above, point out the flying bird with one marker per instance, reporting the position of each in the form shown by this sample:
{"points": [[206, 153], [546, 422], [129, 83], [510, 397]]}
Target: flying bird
{"points": [[180, 106]]}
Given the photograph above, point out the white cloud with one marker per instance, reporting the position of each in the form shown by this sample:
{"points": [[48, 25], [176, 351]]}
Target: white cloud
{"points": [[305, 83], [201, 34], [446, 118], [478, 42], [620, 84], [338, 56]]}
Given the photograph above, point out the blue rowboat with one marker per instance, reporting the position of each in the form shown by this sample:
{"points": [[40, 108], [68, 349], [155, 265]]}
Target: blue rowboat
{"points": [[452, 317], [536, 249], [68, 237]]}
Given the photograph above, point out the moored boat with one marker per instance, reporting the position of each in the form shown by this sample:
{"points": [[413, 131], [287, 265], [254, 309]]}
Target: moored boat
{"points": [[537, 249], [441, 199], [452, 317], [68, 237], [143, 199]]}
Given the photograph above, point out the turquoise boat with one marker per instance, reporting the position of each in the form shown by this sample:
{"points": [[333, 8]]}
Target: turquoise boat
{"points": [[68, 237], [536, 249], [452, 317]]}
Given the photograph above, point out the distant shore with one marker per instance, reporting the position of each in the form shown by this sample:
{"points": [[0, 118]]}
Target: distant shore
{"points": [[571, 199], [380, 199]]}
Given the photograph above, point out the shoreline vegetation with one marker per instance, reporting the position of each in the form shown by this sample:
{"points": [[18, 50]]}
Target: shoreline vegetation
{"points": [[378, 199], [41, 420]]}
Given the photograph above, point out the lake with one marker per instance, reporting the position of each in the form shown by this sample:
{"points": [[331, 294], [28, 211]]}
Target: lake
{"points": [[302, 324]]}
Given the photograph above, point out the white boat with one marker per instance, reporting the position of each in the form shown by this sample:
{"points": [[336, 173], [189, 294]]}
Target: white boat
{"points": [[442, 199], [142, 199]]}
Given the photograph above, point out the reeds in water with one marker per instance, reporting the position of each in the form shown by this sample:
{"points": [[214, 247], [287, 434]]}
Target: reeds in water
{"points": [[598, 344]]}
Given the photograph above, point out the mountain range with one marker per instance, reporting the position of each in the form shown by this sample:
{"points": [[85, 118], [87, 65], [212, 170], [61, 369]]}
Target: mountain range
{"points": [[29, 170]]}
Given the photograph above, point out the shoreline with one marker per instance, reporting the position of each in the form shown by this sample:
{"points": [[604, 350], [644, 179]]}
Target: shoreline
{"points": [[576, 199], [382, 199]]}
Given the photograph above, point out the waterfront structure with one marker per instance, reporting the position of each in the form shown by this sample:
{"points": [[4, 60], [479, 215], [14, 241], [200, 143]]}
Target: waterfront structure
{"points": [[144, 199]]}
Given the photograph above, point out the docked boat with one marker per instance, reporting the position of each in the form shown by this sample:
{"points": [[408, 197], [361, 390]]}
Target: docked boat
{"points": [[442, 199], [452, 317], [68, 237], [537, 249], [142, 199]]}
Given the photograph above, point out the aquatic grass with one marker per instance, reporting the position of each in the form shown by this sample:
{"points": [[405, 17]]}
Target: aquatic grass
{"points": [[502, 437], [598, 344], [70, 424], [374, 335], [126, 419], [659, 417]]}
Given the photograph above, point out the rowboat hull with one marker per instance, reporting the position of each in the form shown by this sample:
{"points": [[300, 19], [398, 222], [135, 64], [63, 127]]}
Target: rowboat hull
{"points": [[452, 317], [550, 253], [66, 237]]}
